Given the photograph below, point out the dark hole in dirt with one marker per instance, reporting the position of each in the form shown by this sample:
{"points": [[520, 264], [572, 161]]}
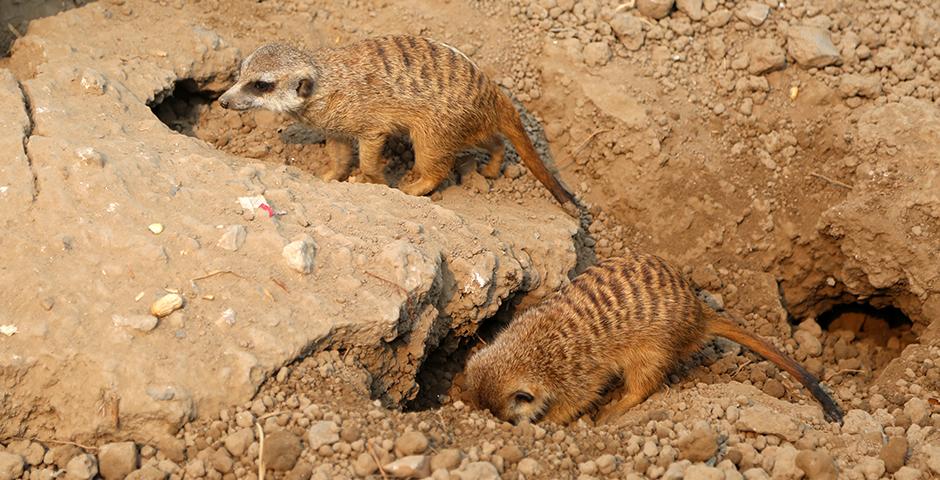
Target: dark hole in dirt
{"points": [[181, 107], [881, 326]]}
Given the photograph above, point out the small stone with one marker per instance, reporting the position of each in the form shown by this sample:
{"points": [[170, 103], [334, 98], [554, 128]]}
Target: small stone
{"points": [[299, 254], [412, 466], [596, 54], [817, 465], [808, 343], [754, 13], [511, 453], [147, 472], [629, 31], [411, 443], [699, 445], [448, 459], [918, 410], [221, 461], [302, 471], [143, 323], [925, 31], [529, 467], [812, 47], [871, 468], [32, 452], [765, 56], [785, 463], [244, 419], [908, 473], [237, 443], [606, 463], [761, 419], [11, 466], [117, 460], [894, 453], [933, 457], [155, 228], [322, 433], [478, 471], [82, 467], [281, 450], [233, 238], [60, 455], [704, 472], [656, 9], [692, 8], [676, 471], [774, 388], [364, 465], [195, 469]]}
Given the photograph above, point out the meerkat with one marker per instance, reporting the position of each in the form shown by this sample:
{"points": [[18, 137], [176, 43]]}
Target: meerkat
{"points": [[633, 319], [391, 85]]}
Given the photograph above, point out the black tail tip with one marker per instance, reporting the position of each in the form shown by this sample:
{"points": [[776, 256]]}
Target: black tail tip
{"points": [[833, 413]]}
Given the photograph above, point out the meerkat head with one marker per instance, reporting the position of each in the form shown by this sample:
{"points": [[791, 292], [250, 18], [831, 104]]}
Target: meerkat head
{"points": [[275, 77], [505, 386]]}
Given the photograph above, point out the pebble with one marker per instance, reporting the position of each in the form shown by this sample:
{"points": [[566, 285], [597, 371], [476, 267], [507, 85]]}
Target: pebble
{"points": [[853, 84], [774, 388], [596, 54], [629, 31], [933, 458], [237, 442], [11, 466], [478, 471], [412, 466], [233, 238], [448, 459], [656, 9], [322, 433], [117, 460], [60, 455], [82, 467], [817, 465], [364, 465], [811, 47], [918, 410], [529, 467], [692, 8], [281, 450], [147, 472], [32, 452], [511, 453], [411, 443], [299, 254], [221, 461], [765, 56], [808, 342], [606, 463], [143, 323], [925, 31], [754, 13], [704, 472], [785, 464], [908, 473], [760, 419], [699, 445], [196, 468], [871, 468]]}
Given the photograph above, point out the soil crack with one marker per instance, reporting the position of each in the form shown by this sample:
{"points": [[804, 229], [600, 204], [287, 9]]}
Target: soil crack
{"points": [[27, 135]]}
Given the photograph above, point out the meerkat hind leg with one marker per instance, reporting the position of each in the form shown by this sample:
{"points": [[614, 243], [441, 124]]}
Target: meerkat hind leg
{"points": [[341, 159], [497, 152], [370, 158], [643, 378], [432, 165]]}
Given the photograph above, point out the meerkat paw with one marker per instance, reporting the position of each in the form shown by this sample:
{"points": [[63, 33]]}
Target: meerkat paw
{"points": [[417, 188], [491, 170], [334, 175]]}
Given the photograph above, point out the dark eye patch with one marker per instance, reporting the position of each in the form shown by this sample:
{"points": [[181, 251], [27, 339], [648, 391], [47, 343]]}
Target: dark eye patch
{"points": [[523, 397], [262, 86]]}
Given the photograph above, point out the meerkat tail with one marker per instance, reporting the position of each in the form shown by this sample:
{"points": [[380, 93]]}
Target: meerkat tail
{"points": [[510, 125], [726, 328]]}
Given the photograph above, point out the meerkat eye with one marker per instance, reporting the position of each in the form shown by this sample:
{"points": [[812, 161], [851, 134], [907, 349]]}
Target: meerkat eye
{"points": [[262, 86], [523, 397]]}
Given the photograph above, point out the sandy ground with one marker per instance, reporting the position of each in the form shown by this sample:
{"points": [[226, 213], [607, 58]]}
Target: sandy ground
{"points": [[784, 155]]}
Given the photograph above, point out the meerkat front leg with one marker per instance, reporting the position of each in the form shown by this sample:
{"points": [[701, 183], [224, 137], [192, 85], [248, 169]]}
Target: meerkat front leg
{"points": [[340, 152], [644, 376], [432, 164], [371, 162]]}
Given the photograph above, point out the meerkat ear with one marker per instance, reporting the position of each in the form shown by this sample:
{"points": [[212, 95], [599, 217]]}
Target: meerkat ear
{"points": [[305, 87]]}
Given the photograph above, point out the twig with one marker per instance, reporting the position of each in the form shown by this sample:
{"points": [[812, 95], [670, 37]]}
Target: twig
{"points": [[217, 272], [588, 140], [59, 442], [399, 287], [14, 31], [375, 458], [280, 284], [844, 370], [834, 182], [736, 372], [260, 451], [272, 414]]}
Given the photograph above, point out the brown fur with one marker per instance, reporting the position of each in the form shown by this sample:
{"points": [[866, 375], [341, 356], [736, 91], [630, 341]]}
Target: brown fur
{"points": [[371, 89], [633, 318]]}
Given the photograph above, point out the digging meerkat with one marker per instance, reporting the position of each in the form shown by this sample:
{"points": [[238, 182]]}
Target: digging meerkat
{"points": [[392, 85], [631, 318]]}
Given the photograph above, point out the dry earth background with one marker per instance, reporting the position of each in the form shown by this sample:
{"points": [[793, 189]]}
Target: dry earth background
{"points": [[786, 155]]}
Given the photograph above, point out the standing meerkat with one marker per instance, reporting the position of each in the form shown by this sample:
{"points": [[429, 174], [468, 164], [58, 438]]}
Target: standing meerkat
{"points": [[632, 318], [392, 85]]}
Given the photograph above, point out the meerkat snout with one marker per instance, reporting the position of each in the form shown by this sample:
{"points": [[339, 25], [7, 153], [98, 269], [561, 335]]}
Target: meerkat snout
{"points": [[505, 393], [275, 77]]}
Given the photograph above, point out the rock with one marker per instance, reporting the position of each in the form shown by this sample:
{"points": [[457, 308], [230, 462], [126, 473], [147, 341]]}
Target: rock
{"points": [[629, 30], [704, 472], [448, 459], [478, 471], [754, 13], [933, 457], [894, 453], [864, 431], [117, 460], [699, 445], [606, 463], [281, 450], [925, 31], [817, 465], [299, 254], [655, 8], [761, 419], [364, 465], [596, 54], [221, 461], [82, 467], [11, 466], [529, 467], [147, 472], [886, 57], [322, 433], [765, 56], [233, 238], [195, 469], [854, 84], [908, 473], [237, 442], [918, 410], [143, 323], [60, 455], [785, 467], [676, 470], [32, 452], [302, 471], [511, 453], [756, 474], [692, 8], [811, 47], [871, 468], [412, 466], [411, 443], [774, 388]]}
